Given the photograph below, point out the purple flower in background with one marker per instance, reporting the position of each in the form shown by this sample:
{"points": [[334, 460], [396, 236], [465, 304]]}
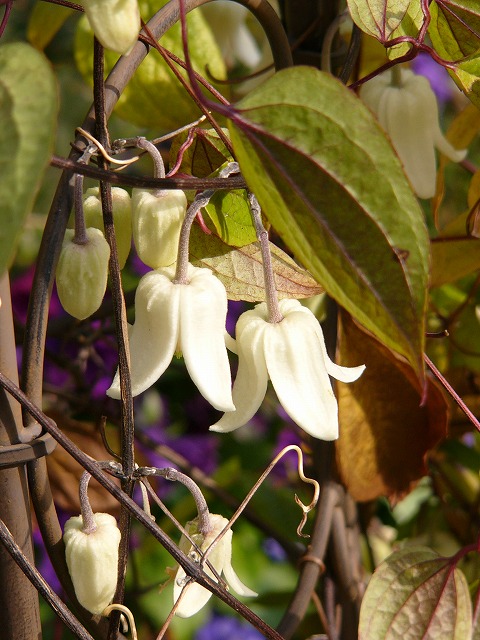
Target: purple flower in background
{"points": [[226, 628], [441, 83], [274, 550]]}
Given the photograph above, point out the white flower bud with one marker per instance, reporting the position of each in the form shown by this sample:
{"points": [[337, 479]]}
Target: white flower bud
{"points": [[92, 560], [82, 273], [157, 221], [116, 23], [122, 217]]}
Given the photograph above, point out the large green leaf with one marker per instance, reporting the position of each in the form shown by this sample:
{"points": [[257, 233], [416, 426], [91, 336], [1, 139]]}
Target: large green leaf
{"points": [[28, 108], [330, 183], [416, 593], [378, 18]]}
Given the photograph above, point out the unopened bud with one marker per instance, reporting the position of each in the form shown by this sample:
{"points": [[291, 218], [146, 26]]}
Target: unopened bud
{"points": [[116, 23], [157, 221], [92, 560], [82, 273], [122, 217]]}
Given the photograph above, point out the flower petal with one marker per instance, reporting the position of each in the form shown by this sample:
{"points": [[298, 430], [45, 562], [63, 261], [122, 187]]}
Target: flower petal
{"points": [[231, 577], [203, 312], [296, 367], [251, 382], [153, 337]]}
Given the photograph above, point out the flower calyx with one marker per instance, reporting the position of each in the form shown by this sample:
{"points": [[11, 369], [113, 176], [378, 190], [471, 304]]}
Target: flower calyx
{"points": [[194, 596], [292, 354], [187, 318]]}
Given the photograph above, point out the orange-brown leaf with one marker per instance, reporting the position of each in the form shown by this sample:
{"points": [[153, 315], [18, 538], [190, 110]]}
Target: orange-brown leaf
{"points": [[384, 432]]}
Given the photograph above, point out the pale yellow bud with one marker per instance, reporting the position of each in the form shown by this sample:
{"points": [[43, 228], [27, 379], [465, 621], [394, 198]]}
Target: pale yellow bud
{"points": [[82, 273], [116, 23], [92, 560], [157, 221], [122, 217]]}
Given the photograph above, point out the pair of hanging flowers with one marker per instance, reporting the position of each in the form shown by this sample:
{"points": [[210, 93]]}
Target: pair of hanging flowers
{"points": [[189, 317]]}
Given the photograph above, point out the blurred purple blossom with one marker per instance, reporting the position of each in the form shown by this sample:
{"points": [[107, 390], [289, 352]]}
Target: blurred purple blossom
{"points": [[274, 550], [227, 628], [441, 83]]}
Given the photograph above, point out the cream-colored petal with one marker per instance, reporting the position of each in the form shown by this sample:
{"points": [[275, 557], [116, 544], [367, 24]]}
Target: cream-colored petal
{"points": [[203, 312], [154, 335], [297, 370], [195, 596], [410, 128], [231, 577], [251, 382]]}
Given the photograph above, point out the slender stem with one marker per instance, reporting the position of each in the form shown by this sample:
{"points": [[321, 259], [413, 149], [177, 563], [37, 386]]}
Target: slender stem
{"points": [[448, 387], [396, 77], [201, 200], [274, 313], [174, 475], [89, 524], [158, 166], [185, 182], [80, 236], [193, 569]]}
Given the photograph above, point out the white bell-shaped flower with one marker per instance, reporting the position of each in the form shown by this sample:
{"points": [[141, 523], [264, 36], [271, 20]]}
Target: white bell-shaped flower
{"points": [[116, 23], [227, 21], [407, 109], [293, 355], [195, 596], [180, 318], [92, 560]]}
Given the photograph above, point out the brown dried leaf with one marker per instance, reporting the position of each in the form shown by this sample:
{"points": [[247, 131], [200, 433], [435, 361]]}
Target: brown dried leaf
{"points": [[384, 432], [241, 270], [65, 473]]}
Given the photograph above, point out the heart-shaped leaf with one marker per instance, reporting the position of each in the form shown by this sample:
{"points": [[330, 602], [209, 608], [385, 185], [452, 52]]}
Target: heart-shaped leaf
{"points": [[28, 108], [415, 593], [378, 18], [331, 185]]}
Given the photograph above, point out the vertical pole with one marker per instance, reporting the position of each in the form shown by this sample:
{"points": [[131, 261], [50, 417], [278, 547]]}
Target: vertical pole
{"points": [[20, 615]]}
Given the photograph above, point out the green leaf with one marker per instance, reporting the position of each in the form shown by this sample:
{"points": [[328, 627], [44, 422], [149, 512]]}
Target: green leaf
{"points": [[204, 156], [154, 98], [28, 109], [455, 33], [415, 593], [241, 270], [331, 185], [45, 21], [230, 213], [455, 28], [378, 18], [409, 26], [453, 258]]}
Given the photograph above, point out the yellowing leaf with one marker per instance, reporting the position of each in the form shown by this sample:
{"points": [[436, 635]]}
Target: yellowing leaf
{"points": [[241, 270], [385, 433], [378, 18]]}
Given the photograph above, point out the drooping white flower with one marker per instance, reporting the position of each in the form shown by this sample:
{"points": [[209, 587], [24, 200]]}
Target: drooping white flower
{"points": [[116, 23], [195, 596], [235, 40], [188, 318], [92, 560], [292, 354], [407, 109]]}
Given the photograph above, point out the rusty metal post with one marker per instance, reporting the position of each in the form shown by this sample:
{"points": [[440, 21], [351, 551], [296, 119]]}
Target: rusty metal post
{"points": [[20, 615]]}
